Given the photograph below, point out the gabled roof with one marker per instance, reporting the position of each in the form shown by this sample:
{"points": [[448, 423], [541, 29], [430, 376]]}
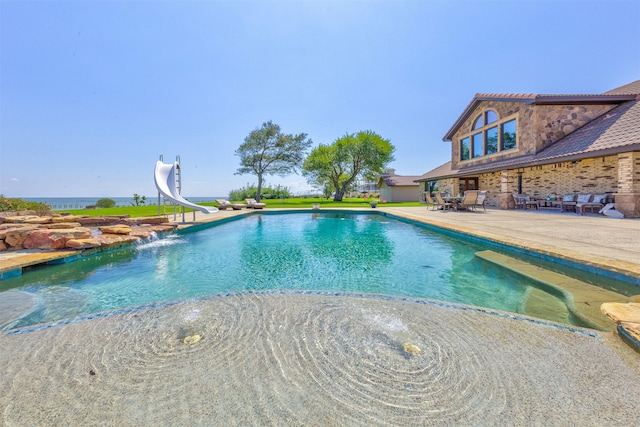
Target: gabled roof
{"points": [[619, 95], [398, 180], [632, 88], [615, 132]]}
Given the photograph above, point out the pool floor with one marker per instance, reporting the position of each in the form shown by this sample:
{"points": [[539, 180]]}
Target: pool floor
{"points": [[296, 359]]}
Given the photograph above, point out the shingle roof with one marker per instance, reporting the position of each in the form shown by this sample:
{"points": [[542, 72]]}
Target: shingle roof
{"points": [[615, 132], [399, 180], [632, 88]]}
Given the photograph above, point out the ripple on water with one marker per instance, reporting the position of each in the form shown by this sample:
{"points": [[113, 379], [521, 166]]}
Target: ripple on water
{"points": [[308, 360]]}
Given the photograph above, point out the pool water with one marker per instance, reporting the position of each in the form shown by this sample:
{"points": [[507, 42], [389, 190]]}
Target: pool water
{"points": [[293, 251]]}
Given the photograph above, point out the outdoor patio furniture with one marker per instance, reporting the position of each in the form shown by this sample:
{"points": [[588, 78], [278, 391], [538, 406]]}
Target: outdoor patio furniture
{"points": [[253, 204], [568, 203], [593, 204], [482, 196], [442, 203], [468, 202], [224, 204], [552, 201], [523, 201], [430, 201]]}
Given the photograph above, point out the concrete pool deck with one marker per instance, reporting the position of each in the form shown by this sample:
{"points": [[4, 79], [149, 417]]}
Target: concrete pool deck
{"points": [[314, 359]]}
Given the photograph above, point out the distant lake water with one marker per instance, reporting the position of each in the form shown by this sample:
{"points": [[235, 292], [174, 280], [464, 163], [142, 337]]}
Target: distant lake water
{"points": [[64, 203]]}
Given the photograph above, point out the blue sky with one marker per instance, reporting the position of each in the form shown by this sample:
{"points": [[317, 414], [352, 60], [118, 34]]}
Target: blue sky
{"points": [[92, 92]]}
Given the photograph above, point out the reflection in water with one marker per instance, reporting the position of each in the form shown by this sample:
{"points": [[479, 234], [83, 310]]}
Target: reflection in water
{"points": [[332, 248]]}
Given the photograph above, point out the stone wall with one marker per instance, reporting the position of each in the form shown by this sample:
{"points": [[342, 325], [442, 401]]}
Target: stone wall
{"points": [[550, 123]]}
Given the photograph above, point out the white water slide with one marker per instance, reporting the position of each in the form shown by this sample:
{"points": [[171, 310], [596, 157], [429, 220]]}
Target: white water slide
{"points": [[165, 177]]}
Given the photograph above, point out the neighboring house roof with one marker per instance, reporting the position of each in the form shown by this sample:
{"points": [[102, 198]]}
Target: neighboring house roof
{"points": [[628, 92], [617, 131], [398, 180]]}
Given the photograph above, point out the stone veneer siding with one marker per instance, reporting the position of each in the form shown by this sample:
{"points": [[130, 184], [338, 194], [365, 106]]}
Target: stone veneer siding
{"points": [[550, 123], [538, 126]]}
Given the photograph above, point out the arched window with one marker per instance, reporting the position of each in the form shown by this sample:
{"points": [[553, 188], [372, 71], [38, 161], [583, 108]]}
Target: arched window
{"points": [[478, 123], [489, 135]]}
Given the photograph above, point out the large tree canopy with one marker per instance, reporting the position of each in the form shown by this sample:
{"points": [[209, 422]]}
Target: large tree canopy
{"points": [[361, 155], [267, 151]]}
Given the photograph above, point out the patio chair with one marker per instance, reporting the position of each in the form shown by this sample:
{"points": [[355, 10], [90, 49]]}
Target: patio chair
{"points": [[482, 196], [569, 203], [429, 200], [593, 204], [253, 204], [440, 202], [469, 200], [524, 202]]}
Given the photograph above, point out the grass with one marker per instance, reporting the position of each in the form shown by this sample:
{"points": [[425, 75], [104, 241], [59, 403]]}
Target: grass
{"points": [[152, 210]]}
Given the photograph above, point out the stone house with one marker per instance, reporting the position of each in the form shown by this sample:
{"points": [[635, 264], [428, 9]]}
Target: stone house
{"points": [[399, 188], [546, 144]]}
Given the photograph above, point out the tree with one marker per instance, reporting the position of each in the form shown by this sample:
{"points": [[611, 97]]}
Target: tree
{"points": [[105, 203], [139, 200], [267, 151], [361, 155]]}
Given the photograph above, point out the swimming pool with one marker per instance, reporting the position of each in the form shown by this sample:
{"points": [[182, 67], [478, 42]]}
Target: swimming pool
{"points": [[343, 252]]}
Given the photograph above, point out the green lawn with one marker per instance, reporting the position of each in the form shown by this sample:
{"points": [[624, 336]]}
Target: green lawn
{"points": [[152, 210]]}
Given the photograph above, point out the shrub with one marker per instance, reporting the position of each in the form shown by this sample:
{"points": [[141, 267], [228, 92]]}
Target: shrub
{"points": [[250, 192], [15, 204], [105, 203]]}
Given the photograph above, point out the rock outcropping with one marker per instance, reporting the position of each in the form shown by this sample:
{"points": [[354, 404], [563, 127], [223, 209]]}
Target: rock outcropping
{"points": [[26, 230]]}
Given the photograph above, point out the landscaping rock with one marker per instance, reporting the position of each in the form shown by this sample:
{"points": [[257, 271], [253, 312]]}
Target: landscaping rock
{"points": [[16, 237], [63, 225], [115, 229], [147, 220], [54, 238], [100, 220], [115, 239], [21, 230], [83, 243], [38, 220]]}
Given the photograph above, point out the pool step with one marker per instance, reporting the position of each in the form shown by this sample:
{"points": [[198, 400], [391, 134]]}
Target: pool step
{"points": [[582, 299], [541, 304]]}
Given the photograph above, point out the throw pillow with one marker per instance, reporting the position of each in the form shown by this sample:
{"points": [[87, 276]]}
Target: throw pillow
{"points": [[600, 198]]}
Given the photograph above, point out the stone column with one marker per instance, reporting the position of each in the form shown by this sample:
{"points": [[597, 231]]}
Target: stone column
{"points": [[627, 198], [507, 188]]}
